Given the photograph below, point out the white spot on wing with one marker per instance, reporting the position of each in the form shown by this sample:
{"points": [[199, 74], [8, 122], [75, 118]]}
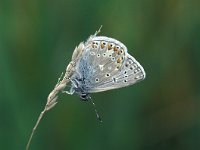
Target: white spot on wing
{"points": [[101, 67]]}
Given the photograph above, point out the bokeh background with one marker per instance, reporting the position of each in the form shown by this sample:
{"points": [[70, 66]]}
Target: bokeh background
{"points": [[37, 38]]}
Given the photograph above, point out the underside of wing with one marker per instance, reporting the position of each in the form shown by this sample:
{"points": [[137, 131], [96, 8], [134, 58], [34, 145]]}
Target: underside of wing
{"points": [[130, 73], [106, 65]]}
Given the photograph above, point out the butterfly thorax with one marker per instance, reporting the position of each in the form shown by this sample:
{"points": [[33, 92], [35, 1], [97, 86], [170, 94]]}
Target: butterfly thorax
{"points": [[77, 87]]}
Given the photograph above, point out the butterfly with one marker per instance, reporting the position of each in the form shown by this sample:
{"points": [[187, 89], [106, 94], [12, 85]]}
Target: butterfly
{"points": [[105, 64]]}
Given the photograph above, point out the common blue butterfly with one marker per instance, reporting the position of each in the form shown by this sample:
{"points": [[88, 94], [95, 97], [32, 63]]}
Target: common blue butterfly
{"points": [[104, 65]]}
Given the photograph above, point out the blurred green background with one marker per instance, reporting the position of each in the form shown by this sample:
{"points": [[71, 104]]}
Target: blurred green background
{"points": [[37, 38]]}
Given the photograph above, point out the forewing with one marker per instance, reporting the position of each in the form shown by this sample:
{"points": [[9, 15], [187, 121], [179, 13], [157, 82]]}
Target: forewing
{"points": [[106, 65], [101, 60]]}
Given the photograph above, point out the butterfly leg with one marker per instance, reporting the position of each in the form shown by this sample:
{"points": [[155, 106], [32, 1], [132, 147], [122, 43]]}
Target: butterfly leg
{"points": [[70, 92]]}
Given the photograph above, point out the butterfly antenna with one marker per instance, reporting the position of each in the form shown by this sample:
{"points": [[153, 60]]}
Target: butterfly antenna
{"points": [[95, 109]]}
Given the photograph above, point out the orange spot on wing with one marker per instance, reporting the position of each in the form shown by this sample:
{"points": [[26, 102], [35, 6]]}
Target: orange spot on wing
{"points": [[118, 52], [116, 48], [102, 45], [109, 46], [118, 60]]}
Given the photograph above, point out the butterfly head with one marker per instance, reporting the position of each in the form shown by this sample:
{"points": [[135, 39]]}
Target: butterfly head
{"points": [[77, 87]]}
